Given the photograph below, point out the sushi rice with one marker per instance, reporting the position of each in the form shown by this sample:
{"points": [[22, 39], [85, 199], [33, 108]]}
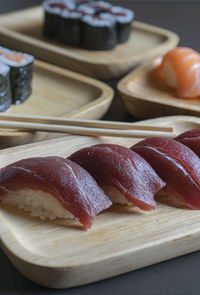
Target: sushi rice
{"points": [[36, 203], [115, 195]]}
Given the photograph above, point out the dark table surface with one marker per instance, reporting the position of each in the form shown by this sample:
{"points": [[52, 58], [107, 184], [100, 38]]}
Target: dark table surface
{"points": [[176, 276]]}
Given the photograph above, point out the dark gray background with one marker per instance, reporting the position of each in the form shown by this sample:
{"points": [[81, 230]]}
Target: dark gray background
{"points": [[179, 276]]}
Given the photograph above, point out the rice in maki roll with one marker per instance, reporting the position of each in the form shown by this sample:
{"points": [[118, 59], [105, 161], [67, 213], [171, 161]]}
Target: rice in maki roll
{"points": [[5, 90], [52, 11], [124, 18], [21, 68], [98, 6], [86, 9], [4, 50]]}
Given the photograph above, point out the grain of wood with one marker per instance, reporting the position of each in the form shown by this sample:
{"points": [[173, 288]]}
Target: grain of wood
{"points": [[60, 254], [60, 93]]}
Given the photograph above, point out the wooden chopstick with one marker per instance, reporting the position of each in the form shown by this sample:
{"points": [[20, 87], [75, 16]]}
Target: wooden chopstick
{"points": [[83, 123], [80, 130]]}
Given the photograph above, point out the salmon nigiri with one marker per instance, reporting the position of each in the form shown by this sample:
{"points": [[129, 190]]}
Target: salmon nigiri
{"points": [[180, 69]]}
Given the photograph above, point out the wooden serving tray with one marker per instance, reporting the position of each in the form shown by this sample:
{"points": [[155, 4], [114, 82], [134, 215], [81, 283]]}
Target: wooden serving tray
{"points": [[60, 93], [145, 96], [61, 254], [22, 30]]}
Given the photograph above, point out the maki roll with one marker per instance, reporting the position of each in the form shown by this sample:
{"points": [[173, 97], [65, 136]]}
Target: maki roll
{"points": [[70, 25], [99, 32], [124, 18], [69, 32], [5, 90], [94, 25], [52, 11], [21, 68]]}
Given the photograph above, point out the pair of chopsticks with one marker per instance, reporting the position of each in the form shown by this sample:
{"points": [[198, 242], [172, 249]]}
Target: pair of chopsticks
{"points": [[82, 127]]}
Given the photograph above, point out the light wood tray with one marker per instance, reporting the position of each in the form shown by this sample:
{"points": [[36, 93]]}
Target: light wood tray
{"points": [[22, 30], [60, 254], [60, 93], [145, 96]]}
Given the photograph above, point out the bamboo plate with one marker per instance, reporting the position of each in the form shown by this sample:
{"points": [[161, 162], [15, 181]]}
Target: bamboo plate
{"points": [[60, 93], [22, 30], [145, 96], [60, 254]]}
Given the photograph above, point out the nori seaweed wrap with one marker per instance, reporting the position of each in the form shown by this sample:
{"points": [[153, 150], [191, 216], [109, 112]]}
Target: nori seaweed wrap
{"points": [[52, 11], [5, 89], [21, 68], [124, 18], [99, 32], [70, 28]]}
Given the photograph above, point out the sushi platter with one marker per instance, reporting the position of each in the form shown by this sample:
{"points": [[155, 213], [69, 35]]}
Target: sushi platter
{"points": [[146, 96], [62, 93], [22, 30], [60, 253]]}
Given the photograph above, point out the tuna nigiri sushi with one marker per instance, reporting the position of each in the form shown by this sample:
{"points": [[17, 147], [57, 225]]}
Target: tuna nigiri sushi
{"points": [[124, 175], [177, 165], [191, 139], [52, 187], [180, 69]]}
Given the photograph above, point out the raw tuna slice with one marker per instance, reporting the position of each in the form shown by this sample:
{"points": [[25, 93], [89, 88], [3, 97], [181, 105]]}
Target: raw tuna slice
{"points": [[177, 165], [191, 139], [124, 175], [52, 187]]}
